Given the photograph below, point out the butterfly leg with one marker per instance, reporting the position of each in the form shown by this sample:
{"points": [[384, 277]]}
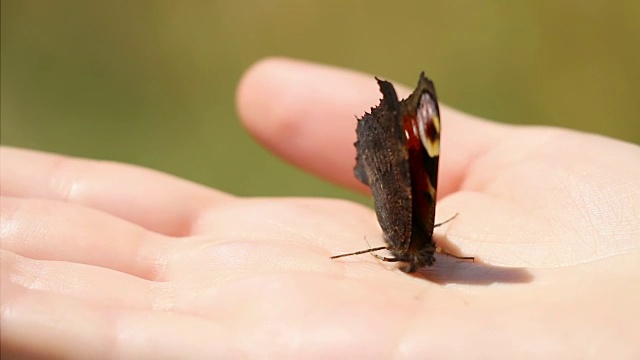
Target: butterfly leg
{"points": [[445, 252], [387, 259], [446, 221]]}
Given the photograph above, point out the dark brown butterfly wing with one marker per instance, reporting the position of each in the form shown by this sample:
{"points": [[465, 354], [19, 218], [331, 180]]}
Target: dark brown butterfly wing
{"points": [[383, 164]]}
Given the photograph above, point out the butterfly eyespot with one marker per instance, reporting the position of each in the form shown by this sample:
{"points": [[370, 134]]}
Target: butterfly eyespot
{"points": [[428, 122]]}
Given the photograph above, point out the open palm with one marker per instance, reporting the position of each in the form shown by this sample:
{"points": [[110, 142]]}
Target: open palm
{"points": [[109, 260]]}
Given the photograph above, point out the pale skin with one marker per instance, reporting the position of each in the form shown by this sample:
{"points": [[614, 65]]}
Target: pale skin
{"points": [[107, 260]]}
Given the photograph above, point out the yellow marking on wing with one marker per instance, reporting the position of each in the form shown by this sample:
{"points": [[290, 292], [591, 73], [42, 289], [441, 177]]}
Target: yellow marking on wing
{"points": [[432, 145]]}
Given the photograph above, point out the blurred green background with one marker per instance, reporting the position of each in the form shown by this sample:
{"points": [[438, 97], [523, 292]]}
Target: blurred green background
{"points": [[152, 82]]}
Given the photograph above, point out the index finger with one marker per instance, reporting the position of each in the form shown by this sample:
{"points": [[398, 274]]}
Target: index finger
{"points": [[306, 113]]}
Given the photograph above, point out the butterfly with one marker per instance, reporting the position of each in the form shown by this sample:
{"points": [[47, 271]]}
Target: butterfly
{"points": [[398, 150]]}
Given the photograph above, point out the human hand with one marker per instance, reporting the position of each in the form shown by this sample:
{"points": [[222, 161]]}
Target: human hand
{"points": [[109, 260]]}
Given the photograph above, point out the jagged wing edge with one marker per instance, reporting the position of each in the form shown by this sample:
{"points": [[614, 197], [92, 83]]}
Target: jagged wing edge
{"points": [[383, 127]]}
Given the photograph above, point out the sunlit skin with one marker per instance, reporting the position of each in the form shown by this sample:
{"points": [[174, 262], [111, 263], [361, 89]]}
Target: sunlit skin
{"points": [[108, 260]]}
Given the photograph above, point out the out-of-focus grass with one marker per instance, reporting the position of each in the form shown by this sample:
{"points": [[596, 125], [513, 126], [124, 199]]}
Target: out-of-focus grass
{"points": [[152, 82]]}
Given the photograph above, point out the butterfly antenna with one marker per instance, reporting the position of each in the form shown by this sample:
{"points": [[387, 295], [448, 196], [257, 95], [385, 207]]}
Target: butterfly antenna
{"points": [[370, 249]]}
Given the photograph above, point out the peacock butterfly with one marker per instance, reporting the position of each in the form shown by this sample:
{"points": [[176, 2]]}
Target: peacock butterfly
{"points": [[398, 148]]}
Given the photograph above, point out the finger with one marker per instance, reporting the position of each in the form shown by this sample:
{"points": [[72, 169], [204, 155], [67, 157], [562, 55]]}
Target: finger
{"points": [[306, 113], [22, 275], [62, 310], [153, 200], [51, 230]]}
